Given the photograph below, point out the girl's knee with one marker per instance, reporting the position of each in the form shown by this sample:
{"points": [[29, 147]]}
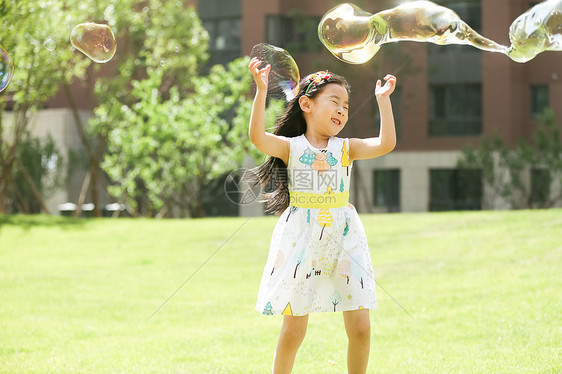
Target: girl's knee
{"points": [[358, 326], [294, 328], [360, 331]]}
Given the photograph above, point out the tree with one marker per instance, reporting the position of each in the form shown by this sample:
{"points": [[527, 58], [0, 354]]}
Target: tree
{"points": [[336, 299], [38, 72], [37, 174], [299, 259], [146, 114], [151, 35], [170, 130], [506, 171], [279, 261], [344, 268], [163, 152]]}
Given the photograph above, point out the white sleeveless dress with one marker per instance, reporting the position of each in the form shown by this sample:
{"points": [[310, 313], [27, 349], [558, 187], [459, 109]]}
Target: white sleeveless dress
{"points": [[318, 260]]}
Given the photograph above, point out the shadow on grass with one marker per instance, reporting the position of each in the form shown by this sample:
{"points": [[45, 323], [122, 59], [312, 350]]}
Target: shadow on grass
{"points": [[40, 220]]}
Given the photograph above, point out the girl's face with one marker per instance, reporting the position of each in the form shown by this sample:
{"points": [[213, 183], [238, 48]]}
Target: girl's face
{"points": [[329, 110]]}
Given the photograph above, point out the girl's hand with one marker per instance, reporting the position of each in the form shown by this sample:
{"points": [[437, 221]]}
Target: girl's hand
{"points": [[388, 87], [261, 76]]}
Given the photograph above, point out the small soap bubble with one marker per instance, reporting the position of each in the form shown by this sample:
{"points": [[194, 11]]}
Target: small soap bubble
{"points": [[177, 49], [49, 45], [94, 40], [6, 69], [162, 63], [284, 75]]}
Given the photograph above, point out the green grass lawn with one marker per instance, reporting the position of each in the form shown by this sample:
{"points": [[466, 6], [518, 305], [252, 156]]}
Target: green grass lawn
{"points": [[484, 290]]}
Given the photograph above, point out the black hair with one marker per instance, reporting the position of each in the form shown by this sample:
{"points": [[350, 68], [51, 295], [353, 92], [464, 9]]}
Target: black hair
{"points": [[291, 124]]}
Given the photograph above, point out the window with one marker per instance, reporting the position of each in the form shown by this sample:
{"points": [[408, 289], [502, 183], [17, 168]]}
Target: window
{"points": [[295, 32], [387, 189], [223, 21], [455, 189], [540, 188], [539, 99], [455, 109], [469, 11]]}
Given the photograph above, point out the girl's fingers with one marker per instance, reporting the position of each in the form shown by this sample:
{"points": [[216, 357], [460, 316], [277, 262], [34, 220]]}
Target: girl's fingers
{"points": [[254, 63]]}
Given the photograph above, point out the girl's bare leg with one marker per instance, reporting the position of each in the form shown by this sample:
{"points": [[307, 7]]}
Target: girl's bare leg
{"points": [[358, 329], [291, 336]]}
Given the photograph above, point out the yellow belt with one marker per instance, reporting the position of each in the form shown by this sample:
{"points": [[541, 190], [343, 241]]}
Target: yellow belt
{"points": [[317, 200]]}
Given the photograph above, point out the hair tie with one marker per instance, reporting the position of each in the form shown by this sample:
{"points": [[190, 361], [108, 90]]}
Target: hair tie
{"points": [[316, 78]]}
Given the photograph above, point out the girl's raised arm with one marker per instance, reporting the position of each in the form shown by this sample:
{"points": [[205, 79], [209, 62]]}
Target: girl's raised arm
{"points": [[386, 141], [270, 144]]}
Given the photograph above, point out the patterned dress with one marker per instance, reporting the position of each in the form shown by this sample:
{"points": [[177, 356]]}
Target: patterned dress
{"points": [[318, 260]]}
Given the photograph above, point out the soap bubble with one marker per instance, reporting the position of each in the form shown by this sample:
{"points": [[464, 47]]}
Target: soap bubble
{"points": [[355, 36], [537, 30], [6, 69], [49, 45], [94, 40], [284, 75]]}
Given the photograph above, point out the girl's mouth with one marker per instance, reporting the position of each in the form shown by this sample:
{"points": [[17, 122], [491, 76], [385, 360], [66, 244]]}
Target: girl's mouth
{"points": [[336, 121]]}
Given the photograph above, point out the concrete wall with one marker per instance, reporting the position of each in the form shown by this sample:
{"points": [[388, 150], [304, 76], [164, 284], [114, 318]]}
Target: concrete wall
{"points": [[60, 125], [414, 176]]}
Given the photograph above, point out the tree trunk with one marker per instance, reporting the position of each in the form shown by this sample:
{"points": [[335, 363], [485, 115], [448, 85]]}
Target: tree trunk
{"points": [[21, 202], [34, 189], [83, 191], [2, 183], [199, 210], [5, 177], [3, 187], [94, 158], [94, 168], [96, 175]]}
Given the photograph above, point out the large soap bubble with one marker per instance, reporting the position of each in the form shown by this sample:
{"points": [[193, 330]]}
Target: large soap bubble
{"points": [[94, 40], [6, 69], [355, 36], [537, 30], [284, 76]]}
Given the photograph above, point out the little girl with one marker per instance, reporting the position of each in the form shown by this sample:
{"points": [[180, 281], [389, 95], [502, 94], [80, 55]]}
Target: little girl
{"points": [[318, 260]]}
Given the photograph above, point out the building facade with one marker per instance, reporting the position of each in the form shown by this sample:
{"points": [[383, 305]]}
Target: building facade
{"points": [[447, 96]]}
